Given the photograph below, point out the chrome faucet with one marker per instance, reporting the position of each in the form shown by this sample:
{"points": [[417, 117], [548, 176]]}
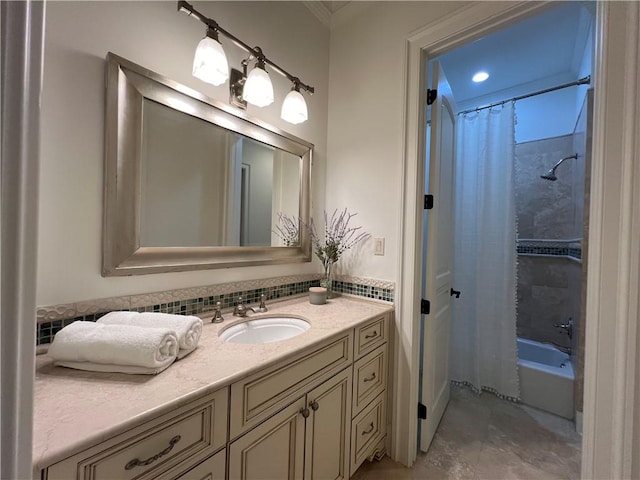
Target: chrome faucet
{"points": [[240, 310], [260, 308]]}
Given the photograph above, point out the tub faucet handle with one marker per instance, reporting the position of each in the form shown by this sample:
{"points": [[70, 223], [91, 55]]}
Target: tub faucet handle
{"points": [[567, 327]]}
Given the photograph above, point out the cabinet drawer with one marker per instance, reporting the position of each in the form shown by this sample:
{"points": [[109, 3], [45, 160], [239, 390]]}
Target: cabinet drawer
{"points": [[212, 468], [192, 432], [264, 393], [367, 429], [370, 378], [370, 336]]}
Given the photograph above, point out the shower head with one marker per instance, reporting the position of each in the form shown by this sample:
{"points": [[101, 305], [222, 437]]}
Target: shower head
{"points": [[551, 174]]}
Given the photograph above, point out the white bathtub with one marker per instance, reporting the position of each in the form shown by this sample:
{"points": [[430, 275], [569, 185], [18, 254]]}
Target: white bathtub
{"points": [[546, 378]]}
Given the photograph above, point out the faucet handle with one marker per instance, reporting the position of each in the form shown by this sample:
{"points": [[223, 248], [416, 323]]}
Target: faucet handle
{"points": [[263, 306], [217, 316]]}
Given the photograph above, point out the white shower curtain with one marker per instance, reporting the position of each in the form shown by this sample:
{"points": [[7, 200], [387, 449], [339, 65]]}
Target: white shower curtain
{"points": [[483, 333]]}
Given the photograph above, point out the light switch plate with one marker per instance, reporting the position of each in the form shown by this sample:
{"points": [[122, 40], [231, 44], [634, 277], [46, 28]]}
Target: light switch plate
{"points": [[378, 248]]}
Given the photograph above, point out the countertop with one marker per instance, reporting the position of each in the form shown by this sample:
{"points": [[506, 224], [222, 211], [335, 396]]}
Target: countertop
{"points": [[74, 408]]}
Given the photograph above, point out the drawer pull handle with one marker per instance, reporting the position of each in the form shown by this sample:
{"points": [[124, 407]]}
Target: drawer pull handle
{"points": [[372, 335], [305, 412], [368, 430], [142, 463], [371, 378], [314, 405]]}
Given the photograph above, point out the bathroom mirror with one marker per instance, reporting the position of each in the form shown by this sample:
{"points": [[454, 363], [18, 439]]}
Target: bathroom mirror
{"points": [[191, 183]]}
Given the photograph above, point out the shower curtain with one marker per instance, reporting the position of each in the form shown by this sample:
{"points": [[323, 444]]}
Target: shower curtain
{"points": [[483, 334]]}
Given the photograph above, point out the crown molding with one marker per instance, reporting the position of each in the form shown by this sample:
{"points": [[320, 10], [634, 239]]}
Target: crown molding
{"points": [[320, 11]]}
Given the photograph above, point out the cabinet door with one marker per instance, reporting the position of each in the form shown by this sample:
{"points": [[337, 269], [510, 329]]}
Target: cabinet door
{"points": [[328, 429], [213, 468], [272, 450]]}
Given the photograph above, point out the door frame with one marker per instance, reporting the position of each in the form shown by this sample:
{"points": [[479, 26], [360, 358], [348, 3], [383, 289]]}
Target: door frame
{"points": [[611, 411]]}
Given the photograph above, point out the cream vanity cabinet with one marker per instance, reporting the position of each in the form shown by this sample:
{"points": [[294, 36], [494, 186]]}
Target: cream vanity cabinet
{"points": [[316, 417], [171, 446]]}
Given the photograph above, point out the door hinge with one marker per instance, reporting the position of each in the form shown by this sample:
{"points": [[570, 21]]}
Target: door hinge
{"points": [[425, 307], [422, 411], [431, 96], [428, 202]]}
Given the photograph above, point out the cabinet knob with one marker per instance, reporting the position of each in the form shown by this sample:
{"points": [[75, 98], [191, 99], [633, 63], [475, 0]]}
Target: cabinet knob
{"points": [[372, 335], [305, 412], [314, 405]]}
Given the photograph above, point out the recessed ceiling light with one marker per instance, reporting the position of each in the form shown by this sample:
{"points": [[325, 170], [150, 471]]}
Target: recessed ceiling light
{"points": [[480, 77]]}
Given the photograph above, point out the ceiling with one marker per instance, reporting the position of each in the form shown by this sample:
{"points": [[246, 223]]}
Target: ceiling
{"points": [[540, 52], [537, 53]]}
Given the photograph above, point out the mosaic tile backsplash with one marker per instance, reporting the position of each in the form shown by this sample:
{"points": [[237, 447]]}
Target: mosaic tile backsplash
{"points": [[559, 248], [46, 330]]}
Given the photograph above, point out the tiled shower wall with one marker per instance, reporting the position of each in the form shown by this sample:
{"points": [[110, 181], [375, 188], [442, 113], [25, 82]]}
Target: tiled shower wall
{"points": [[551, 286], [548, 294], [548, 285]]}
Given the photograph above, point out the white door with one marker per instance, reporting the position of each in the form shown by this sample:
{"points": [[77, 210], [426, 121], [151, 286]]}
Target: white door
{"points": [[439, 259]]}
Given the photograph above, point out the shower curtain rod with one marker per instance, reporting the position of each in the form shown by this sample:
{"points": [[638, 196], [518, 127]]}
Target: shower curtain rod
{"points": [[580, 81]]}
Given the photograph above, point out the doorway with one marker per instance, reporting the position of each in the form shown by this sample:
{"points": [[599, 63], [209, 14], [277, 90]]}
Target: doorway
{"points": [[506, 54], [611, 239]]}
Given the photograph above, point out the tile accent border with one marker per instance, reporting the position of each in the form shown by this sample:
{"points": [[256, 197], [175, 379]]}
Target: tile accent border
{"points": [[189, 301], [556, 248]]}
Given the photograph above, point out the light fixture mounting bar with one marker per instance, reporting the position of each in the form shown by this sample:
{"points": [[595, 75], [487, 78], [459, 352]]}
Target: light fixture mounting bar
{"points": [[187, 8]]}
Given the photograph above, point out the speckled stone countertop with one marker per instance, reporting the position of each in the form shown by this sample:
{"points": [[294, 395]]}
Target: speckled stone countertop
{"points": [[74, 408]]}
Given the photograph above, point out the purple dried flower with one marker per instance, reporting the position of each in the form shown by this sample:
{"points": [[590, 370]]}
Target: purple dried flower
{"points": [[338, 236]]}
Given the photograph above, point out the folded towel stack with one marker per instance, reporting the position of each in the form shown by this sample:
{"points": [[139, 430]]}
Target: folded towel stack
{"points": [[187, 328], [114, 348]]}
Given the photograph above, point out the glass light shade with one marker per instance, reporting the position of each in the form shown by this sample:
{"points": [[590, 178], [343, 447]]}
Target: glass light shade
{"points": [[258, 89], [294, 108], [210, 63]]}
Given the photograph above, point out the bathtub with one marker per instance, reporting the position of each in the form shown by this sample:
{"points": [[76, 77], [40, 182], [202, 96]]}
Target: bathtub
{"points": [[546, 378]]}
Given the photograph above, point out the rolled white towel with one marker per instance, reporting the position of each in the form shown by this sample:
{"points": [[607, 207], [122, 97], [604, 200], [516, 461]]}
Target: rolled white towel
{"points": [[84, 344], [187, 327], [119, 316]]}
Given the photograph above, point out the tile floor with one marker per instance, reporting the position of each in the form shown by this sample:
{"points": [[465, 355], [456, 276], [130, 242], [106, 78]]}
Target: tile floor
{"points": [[487, 438]]}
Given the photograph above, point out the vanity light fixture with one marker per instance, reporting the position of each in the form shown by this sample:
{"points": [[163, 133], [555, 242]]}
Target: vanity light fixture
{"points": [[294, 108], [210, 65], [258, 89]]}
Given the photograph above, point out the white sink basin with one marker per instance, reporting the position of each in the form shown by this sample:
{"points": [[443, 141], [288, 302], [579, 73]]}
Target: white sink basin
{"points": [[264, 330]]}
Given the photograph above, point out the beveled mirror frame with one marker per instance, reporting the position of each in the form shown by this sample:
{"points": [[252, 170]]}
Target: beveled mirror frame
{"points": [[127, 85]]}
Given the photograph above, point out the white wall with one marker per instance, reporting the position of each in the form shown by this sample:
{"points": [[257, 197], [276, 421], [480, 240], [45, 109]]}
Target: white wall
{"points": [[366, 117], [546, 116], [156, 36], [555, 114]]}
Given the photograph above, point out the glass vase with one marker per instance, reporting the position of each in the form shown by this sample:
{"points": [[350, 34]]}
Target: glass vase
{"points": [[325, 281]]}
